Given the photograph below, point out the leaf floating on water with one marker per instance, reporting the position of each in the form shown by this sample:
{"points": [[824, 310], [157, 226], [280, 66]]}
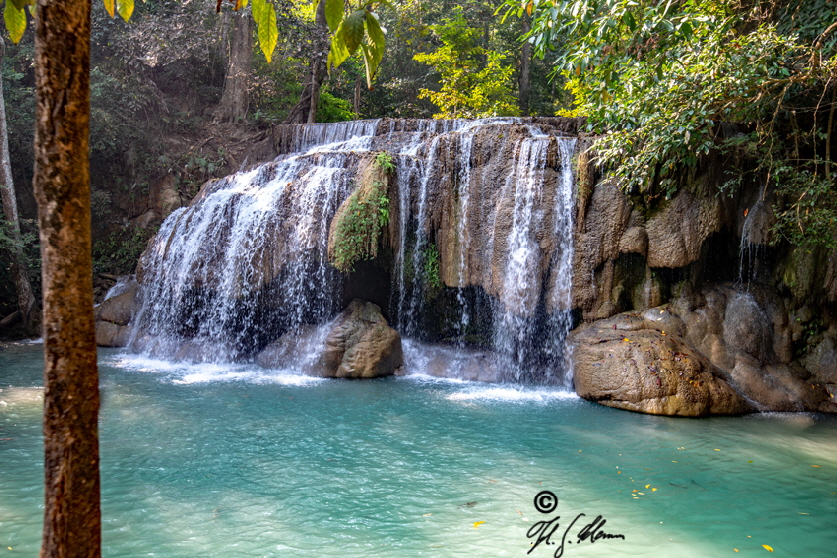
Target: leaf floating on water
{"points": [[427, 514], [750, 461], [478, 523], [717, 450], [767, 547], [647, 486], [735, 549], [653, 490], [817, 466]]}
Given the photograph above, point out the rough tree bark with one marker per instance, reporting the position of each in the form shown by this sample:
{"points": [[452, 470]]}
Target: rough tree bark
{"points": [[26, 303], [72, 516], [305, 111], [523, 78], [235, 99]]}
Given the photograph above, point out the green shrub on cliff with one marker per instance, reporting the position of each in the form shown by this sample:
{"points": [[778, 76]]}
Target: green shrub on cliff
{"points": [[356, 228]]}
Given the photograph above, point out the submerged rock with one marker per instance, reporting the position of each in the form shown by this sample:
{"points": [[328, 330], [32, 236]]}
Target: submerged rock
{"points": [[358, 344], [649, 371]]}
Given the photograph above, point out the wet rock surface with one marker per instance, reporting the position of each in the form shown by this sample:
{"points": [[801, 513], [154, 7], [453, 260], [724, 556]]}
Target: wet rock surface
{"points": [[114, 315], [652, 372], [732, 349], [357, 344]]}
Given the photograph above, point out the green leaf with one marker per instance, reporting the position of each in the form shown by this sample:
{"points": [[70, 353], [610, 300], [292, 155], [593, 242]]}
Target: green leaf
{"points": [[20, 4], [15, 21], [353, 29], [373, 51], [265, 15], [109, 6], [125, 8], [628, 19], [686, 29], [339, 52], [333, 13]]}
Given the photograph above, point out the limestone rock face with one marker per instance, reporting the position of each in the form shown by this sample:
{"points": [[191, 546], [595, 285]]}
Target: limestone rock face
{"points": [[164, 196], [676, 234], [597, 242], [358, 344], [740, 339], [649, 371]]}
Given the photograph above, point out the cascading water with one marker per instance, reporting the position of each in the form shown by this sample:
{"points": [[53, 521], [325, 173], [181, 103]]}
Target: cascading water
{"points": [[479, 253]]}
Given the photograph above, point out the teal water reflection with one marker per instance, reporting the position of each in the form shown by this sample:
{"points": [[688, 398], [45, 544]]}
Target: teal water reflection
{"points": [[236, 461]]}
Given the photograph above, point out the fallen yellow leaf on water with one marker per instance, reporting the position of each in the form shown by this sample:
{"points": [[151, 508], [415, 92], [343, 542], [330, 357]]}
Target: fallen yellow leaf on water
{"points": [[750, 461], [478, 523], [767, 547], [817, 466], [803, 513], [735, 549], [425, 515], [647, 486], [674, 461], [716, 449], [653, 490]]}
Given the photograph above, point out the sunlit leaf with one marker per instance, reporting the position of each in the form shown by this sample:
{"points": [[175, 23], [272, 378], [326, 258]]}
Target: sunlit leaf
{"points": [[110, 7], [333, 13], [125, 8], [15, 21], [239, 5], [478, 523], [768, 547], [265, 16]]}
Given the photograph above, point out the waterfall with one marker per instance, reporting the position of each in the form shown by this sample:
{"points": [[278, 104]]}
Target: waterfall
{"points": [[478, 253]]}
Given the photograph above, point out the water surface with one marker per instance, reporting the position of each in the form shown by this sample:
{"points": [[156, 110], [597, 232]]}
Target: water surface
{"points": [[235, 461]]}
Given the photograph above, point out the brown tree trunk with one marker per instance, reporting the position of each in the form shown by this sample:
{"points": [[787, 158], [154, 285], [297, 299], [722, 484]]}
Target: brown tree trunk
{"points": [[235, 99], [305, 111], [358, 90], [523, 78], [72, 516], [26, 302]]}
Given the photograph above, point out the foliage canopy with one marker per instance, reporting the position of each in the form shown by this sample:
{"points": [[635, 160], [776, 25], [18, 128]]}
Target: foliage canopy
{"points": [[663, 81]]}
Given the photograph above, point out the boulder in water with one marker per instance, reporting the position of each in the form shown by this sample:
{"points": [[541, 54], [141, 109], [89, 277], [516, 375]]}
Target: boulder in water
{"points": [[649, 371], [113, 316], [120, 308], [109, 334], [358, 344]]}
